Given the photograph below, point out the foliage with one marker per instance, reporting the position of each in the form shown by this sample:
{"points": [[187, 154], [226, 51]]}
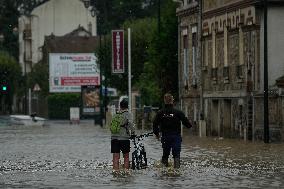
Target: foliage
{"points": [[39, 75], [113, 13], [163, 52], [10, 73], [160, 71], [142, 31], [148, 86], [59, 104], [10, 11], [153, 55], [141, 34], [8, 24]]}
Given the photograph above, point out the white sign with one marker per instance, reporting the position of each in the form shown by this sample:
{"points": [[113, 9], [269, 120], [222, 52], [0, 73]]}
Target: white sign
{"points": [[74, 114], [68, 71]]}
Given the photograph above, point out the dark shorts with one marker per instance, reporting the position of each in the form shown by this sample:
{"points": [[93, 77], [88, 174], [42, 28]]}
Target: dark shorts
{"points": [[120, 145]]}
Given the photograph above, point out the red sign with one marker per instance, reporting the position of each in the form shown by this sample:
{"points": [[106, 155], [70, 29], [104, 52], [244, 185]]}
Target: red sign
{"points": [[117, 51], [69, 81]]}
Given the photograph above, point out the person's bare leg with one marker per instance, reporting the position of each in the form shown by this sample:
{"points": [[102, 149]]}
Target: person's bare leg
{"points": [[126, 160], [115, 161]]}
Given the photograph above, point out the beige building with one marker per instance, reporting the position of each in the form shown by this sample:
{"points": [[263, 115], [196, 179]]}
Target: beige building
{"points": [[57, 17], [189, 58], [232, 68]]}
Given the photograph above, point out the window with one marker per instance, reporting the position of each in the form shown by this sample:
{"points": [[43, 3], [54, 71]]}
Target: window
{"points": [[194, 54], [185, 56]]}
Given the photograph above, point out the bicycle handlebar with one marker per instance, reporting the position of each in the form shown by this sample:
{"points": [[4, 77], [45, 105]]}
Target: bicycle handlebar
{"points": [[132, 137]]}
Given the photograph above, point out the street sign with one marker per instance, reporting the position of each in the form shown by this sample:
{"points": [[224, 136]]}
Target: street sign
{"points": [[36, 88], [117, 51]]}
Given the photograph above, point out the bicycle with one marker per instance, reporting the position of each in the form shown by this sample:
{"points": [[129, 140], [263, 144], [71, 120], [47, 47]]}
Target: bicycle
{"points": [[139, 159]]}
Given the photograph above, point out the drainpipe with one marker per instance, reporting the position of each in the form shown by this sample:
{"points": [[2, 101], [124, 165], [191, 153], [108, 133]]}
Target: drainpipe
{"points": [[265, 95], [179, 66], [201, 114]]}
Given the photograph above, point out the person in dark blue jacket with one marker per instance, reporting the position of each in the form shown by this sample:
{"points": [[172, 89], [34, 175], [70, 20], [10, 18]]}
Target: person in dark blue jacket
{"points": [[168, 122]]}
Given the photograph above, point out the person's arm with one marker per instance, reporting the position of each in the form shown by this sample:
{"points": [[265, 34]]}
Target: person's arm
{"points": [[130, 124], [185, 120]]}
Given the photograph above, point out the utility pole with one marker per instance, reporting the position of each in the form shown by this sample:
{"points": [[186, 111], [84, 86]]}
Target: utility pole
{"points": [[101, 87], [265, 68], [105, 81], [201, 115]]}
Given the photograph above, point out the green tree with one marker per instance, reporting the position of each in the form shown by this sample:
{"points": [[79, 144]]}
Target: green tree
{"points": [[10, 11], [142, 31], [8, 26], [39, 75], [10, 73], [163, 51], [154, 55], [113, 13]]}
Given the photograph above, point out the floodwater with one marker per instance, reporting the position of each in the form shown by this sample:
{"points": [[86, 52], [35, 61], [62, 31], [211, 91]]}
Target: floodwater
{"points": [[60, 155]]}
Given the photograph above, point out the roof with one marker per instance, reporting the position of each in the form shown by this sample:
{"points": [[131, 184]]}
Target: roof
{"points": [[71, 44], [80, 31], [280, 82]]}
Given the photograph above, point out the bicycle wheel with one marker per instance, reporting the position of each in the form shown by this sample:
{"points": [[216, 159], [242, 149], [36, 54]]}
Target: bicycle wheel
{"points": [[136, 162]]}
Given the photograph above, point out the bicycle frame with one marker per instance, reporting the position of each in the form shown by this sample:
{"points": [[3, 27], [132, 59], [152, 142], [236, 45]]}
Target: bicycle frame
{"points": [[139, 159]]}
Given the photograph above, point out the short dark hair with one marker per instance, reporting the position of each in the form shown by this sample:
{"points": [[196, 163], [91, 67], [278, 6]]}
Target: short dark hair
{"points": [[124, 104], [168, 98]]}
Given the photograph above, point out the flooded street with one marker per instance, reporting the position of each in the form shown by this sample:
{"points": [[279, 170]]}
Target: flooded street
{"points": [[78, 156]]}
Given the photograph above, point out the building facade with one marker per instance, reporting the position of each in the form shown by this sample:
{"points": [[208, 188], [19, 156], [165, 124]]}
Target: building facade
{"points": [[189, 58], [57, 17], [232, 68]]}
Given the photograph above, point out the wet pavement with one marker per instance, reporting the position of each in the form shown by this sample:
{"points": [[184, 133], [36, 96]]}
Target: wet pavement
{"points": [[60, 155]]}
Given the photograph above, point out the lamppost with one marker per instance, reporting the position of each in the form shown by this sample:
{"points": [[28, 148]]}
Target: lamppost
{"points": [[86, 3]]}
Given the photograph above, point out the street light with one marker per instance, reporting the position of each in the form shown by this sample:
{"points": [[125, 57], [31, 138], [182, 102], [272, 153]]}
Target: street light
{"points": [[86, 3], [94, 12]]}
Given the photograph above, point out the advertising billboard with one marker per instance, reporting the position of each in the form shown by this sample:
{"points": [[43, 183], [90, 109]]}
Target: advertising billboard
{"points": [[90, 100], [117, 51], [69, 71]]}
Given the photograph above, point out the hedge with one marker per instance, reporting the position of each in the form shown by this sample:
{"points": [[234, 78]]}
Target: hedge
{"points": [[59, 105]]}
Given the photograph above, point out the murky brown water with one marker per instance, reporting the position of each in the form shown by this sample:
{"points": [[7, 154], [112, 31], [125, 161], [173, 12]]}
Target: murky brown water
{"points": [[78, 156]]}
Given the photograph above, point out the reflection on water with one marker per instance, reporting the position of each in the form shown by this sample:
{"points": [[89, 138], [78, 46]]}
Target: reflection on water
{"points": [[78, 156]]}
